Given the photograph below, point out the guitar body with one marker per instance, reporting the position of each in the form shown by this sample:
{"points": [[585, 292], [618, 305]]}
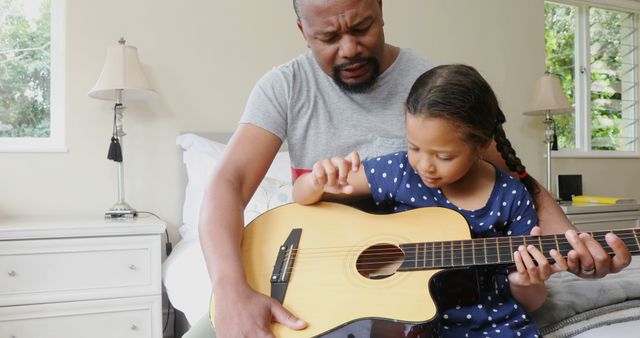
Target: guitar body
{"points": [[331, 285]]}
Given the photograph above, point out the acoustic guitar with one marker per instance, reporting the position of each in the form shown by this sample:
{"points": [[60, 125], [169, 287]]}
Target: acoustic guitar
{"points": [[344, 271]]}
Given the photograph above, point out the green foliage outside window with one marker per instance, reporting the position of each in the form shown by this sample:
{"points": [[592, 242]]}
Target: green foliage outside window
{"points": [[611, 61], [24, 70]]}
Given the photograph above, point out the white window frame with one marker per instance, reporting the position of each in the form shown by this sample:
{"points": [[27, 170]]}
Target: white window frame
{"points": [[56, 140], [582, 102]]}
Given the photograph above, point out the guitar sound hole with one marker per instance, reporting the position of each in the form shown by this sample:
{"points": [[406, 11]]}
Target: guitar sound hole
{"points": [[379, 261]]}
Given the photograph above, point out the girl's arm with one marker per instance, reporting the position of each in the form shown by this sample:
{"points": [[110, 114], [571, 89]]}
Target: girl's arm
{"points": [[336, 178]]}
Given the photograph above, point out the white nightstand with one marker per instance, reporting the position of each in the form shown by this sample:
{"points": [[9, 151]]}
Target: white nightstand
{"points": [[593, 217], [79, 278]]}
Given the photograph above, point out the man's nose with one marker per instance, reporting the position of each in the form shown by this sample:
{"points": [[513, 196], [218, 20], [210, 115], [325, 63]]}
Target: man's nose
{"points": [[349, 46]]}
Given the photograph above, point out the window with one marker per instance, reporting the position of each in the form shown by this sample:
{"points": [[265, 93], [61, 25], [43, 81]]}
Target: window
{"points": [[593, 48], [31, 75]]}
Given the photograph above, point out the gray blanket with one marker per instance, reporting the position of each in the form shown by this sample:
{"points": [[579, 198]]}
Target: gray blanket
{"points": [[571, 296]]}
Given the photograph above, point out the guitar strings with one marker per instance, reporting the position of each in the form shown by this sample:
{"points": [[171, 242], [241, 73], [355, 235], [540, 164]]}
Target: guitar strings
{"points": [[467, 244]]}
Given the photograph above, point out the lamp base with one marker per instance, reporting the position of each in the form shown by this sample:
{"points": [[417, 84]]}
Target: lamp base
{"points": [[121, 209]]}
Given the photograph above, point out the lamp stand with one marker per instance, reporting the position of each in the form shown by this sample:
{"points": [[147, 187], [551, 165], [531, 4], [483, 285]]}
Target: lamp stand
{"points": [[548, 133], [120, 208]]}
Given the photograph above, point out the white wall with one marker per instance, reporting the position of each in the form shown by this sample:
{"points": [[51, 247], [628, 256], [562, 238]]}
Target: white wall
{"points": [[203, 57]]}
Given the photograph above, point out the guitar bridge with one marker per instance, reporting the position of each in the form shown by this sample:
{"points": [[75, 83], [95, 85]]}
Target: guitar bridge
{"points": [[283, 265]]}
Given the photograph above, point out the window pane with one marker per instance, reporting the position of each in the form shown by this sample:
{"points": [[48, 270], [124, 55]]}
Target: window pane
{"points": [[25, 68], [560, 29], [613, 83]]}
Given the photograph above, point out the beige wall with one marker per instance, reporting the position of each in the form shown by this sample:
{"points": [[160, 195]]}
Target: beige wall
{"points": [[203, 57]]}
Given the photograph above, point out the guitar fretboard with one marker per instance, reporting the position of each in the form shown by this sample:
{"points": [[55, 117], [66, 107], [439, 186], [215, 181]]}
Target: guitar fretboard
{"points": [[497, 250]]}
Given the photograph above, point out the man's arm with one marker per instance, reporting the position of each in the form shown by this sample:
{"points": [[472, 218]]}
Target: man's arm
{"points": [[587, 253], [239, 310]]}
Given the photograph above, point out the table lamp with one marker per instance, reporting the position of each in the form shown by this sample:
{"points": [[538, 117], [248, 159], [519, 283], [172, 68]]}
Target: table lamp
{"points": [[122, 78], [548, 99]]}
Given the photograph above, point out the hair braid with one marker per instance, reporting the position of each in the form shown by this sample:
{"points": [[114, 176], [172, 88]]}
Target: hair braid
{"points": [[509, 155]]}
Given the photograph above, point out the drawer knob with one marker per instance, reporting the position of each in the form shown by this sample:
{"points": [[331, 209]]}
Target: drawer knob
{"points": [[134, 327], [12, 273], [133, 267]]}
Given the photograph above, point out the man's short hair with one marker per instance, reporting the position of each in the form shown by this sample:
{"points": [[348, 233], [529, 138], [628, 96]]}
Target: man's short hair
{"points": [[296, 8]]}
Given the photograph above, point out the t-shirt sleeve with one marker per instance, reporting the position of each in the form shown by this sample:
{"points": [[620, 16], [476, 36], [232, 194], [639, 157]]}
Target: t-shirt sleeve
{"points": [[523, 212], [268, 103], [384, 175]]}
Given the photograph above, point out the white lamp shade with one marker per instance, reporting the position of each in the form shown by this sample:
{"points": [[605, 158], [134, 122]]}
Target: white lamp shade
{"points": [[548, 97], [122, 70]]}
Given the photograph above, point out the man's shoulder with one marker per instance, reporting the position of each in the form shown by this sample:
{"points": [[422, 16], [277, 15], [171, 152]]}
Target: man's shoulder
{"points": [[302, 62]]}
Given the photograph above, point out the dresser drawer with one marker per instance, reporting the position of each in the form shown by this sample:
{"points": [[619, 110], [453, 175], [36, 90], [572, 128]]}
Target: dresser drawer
{"points": [[39, 271], [135, 317]]}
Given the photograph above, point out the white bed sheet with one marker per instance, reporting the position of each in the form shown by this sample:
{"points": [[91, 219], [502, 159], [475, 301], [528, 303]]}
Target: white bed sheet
{"points": [[186, 281]]}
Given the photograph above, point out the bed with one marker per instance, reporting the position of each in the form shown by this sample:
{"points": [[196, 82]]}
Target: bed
{"points": [[609, 307]]}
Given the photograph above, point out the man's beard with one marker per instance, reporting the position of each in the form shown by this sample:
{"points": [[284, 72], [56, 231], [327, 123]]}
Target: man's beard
{"points": [[357, 87]]}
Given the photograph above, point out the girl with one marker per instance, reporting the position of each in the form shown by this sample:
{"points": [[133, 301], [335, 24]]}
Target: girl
{"points": [[452, 116]]}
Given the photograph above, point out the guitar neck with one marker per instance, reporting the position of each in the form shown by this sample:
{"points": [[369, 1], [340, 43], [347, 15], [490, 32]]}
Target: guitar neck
{"points": [[497, 250]]}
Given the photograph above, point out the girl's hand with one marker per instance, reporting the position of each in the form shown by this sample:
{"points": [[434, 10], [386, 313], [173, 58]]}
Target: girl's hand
{"points": [[331, 174], [527, 273]]}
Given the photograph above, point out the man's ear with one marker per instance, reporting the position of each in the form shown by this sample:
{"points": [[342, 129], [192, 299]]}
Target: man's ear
{"points": [[304, 36]]}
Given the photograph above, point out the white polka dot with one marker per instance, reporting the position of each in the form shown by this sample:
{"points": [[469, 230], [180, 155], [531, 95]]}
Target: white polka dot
{"points": [[518, 218], [528, 222], [509, 233], [513, 192], [479, 306], [373, 170], [504, 204], [498, 213], [468, 316], [378, 159], [390, 195], [519, 202], [481, 223], [490, 318], [515, 306], [504, 185], [491, 213], [419, 185], [379, 190], [435, 199], [389, 162], [445, 316], [395, 179], [518, 333], [408, 186], [413, 199], [448, 202], [424, 197], [401, 165], [528, 202], [384, 175]]}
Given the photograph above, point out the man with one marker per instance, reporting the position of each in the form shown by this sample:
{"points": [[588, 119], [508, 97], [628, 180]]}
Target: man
{"points": [[346, 94]]}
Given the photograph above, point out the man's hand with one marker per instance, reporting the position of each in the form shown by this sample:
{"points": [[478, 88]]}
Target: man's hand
{"points": [[250, 314], [588, 259]]}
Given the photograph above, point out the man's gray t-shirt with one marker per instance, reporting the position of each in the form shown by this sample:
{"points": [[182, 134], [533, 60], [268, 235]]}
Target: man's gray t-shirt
{"points": [[301, 104]]}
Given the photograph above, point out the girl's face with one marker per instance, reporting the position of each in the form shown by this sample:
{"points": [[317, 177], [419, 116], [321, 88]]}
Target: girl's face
{"points": [[437, 151]]}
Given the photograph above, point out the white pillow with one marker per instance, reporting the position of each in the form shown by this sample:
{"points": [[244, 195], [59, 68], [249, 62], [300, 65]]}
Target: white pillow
{"points": [[201, 155]]}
